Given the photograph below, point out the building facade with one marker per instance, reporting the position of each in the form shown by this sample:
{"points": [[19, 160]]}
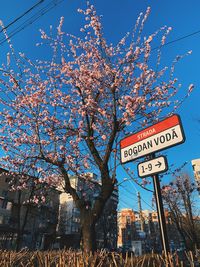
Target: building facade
{"points": [[126, 228], [196, 170], [24, 223], [132, 228]]}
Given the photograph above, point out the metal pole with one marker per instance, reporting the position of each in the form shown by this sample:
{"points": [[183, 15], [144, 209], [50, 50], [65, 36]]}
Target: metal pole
{"points": [[140, 212], [160, 210]]}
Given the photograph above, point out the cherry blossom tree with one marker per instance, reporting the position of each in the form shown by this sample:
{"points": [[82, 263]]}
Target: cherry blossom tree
{"points": [[64, 116]]}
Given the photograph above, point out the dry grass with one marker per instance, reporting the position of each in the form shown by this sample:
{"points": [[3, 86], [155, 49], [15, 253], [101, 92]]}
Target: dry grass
{"points": [[63, 258]]}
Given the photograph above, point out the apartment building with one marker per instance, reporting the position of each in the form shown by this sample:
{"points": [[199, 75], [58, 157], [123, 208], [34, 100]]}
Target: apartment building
{"points": [[132, 228], [196, 170], [126, 227], [24, 223]]}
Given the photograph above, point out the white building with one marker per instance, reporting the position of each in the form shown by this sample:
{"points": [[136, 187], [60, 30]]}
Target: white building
{"points": [[196, 170]]}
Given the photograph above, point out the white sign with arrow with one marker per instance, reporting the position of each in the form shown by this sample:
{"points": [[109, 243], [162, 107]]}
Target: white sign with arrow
{"points": [[153, 166]]}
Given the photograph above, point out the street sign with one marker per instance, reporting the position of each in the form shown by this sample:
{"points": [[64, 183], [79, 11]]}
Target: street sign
{"points": [[153, 166], [162, 135]]}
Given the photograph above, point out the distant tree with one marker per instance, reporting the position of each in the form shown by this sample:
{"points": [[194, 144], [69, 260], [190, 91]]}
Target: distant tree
{"points": [[179, 198], [64, 116]]}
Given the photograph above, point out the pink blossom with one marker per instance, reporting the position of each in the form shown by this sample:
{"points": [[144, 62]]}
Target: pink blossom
{"points": [[129, 53], [103, 137], [62, 148], [81, 124], [64, 111]]}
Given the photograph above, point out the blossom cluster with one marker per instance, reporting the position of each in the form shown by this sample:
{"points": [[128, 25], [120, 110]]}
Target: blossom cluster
{"points": [[70, 110]]}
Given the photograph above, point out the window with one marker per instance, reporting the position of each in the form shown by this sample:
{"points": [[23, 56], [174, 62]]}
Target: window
{"points": [[73, 228], [7, 180], [4, 193], [1, 219], [3, 203], [128, 219]]}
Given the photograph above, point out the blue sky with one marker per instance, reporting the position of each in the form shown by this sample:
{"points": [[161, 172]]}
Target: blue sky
{"points": [[119, 16]]}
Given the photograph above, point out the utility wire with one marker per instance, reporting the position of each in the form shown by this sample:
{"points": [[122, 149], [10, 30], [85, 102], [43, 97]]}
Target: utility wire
{"points": [[21, 16], [134, 194], [32, 19], [128, 191], [46, 9], [124, 202], [178, 39], [147, 203], [132, 183], [34, 6], [134, 180]]}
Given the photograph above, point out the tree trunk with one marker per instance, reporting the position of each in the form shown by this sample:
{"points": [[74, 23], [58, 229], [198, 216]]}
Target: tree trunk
{"points": [[19, 234], [18, 240], [88, 237]]}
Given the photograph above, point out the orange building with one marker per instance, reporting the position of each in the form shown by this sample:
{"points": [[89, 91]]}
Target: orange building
{"points": [[154, 216], [126, 228], [130, 226]]}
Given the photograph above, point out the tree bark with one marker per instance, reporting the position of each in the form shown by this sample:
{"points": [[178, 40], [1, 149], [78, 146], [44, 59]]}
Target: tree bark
{"points": [[88, 237], [19, 234], [18, 240]]}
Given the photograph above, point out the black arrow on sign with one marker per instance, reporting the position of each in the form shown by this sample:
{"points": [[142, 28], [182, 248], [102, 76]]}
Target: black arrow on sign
{"points": [[159, 164]]}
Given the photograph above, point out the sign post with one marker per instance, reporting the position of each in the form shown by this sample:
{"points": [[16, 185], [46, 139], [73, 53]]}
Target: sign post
{"points": [[161, 214], [162, 135]]}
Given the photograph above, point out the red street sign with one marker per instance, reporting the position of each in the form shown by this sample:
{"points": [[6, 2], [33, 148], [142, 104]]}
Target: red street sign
{"points": [[162, 135]]}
